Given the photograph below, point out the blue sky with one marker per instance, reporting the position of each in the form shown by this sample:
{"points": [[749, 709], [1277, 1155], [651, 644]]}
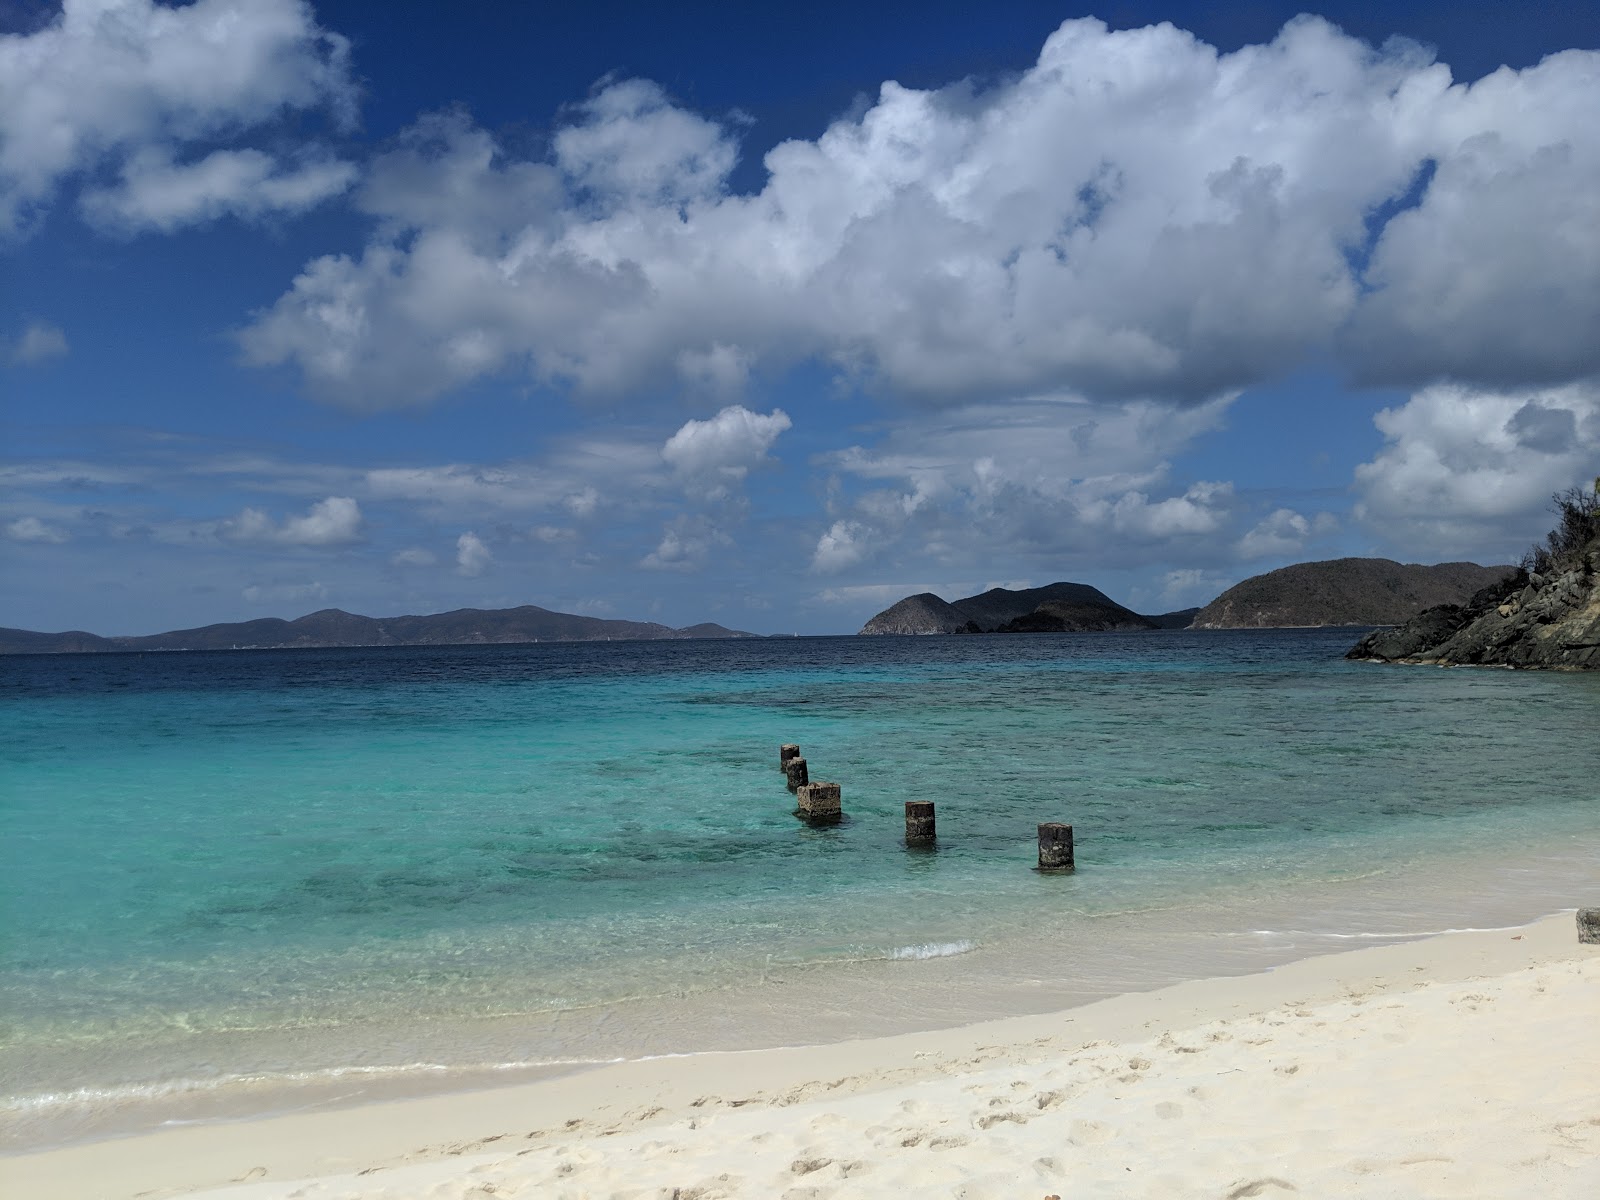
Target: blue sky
{"points": [[771, 315]]}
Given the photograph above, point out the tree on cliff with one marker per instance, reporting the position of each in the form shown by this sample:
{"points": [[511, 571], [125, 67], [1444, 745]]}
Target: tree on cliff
{"points": [[1579, 524]]}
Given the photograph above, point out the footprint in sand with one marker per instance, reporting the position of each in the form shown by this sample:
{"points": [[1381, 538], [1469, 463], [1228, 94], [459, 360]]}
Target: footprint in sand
{"points": [[1089, 1133], [1259, 1187], [998, 1118]]}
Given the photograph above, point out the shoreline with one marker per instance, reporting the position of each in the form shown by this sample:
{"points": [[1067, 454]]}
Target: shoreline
{"points": [[445, 1135], [1229, 933]]}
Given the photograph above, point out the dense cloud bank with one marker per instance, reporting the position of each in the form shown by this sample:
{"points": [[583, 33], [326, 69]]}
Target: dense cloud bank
{"points": [[1135, 215]]}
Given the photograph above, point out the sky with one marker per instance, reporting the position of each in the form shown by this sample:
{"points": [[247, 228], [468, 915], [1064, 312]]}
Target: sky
{"points": [[772, 314]]}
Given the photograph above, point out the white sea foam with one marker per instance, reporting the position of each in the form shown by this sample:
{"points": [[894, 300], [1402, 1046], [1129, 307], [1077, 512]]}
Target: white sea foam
{"points": [[932, 950], [125, 1093], [1367, 935]]}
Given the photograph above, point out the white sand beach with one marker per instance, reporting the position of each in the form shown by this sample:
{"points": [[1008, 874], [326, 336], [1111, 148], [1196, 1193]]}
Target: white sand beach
{"points": [[1463, 1065]]}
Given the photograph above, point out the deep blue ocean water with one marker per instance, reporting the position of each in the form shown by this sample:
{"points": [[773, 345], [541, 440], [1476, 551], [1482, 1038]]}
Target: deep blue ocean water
{"points": [[251, 865]]}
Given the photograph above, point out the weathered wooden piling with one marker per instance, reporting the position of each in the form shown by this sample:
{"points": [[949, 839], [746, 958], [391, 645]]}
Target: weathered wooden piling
{"points": [[1055, 847], [919, 822], [1589, 926], [785, 752], [819, 803], [795, 769]]}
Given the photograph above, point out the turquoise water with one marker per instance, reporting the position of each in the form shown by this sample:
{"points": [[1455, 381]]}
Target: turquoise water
{"points": [[259, 866]]}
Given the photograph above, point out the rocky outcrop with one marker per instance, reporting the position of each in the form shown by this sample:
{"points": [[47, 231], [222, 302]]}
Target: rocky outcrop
{"points": [[1344, 591], [1528, 620], [923, 613]]}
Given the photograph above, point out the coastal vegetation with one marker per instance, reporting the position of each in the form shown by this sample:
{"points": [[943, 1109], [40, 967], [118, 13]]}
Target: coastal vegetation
{"points": [[1546, 614], [1577, 526]]}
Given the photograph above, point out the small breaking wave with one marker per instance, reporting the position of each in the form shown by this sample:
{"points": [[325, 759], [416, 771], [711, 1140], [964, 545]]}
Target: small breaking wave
{"points": [[1363, 935], [931, 950], [18, 1105]]}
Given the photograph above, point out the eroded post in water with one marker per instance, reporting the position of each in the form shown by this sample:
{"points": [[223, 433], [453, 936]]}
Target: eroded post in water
{"points": [[819, 803], [1589, 926], [785, 752], [1055, 847], [919, 823], [795, 770]]}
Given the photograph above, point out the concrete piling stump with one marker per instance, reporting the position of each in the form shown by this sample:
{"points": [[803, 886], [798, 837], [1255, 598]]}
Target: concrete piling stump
{"points": [[1589, 926], [919, 822], [785, 752], [795, 770], [1055, 847], [819, 803]]}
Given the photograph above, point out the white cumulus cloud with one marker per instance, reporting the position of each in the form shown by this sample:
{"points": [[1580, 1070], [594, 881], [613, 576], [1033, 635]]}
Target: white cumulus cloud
{"points": [[843, 545], [1136, 214], [686, 544], [336, 521], [125, 82], [32, 529], [472, 556], [40, 341], [726, 446], [1470, 471], [1281, 533], [156, 193]]}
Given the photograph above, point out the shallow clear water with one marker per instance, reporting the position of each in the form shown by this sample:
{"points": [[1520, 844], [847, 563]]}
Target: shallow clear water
{"points": [[269, 865]]}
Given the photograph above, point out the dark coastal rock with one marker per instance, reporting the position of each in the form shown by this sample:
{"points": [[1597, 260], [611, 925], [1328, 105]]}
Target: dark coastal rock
{"points": [[924, 613], [1551, 623], [1344, 591]]}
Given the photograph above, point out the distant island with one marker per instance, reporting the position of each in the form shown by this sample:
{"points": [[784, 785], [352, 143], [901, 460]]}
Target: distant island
{"points": [[1341, 591], [332, 627], [1054, 608], [1344, 591], [1546, 614]]}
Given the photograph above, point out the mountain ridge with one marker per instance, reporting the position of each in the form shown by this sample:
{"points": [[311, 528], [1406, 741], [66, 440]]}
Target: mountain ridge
{"points": [[1054, 608], [1344, 591], [331, 628]]}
